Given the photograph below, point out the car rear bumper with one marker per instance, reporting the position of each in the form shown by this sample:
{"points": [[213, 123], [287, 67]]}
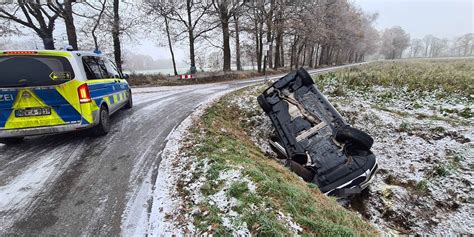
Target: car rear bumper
{"points": [[5, 133]]}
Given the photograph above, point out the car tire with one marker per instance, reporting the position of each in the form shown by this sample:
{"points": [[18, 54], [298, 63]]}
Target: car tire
{"points": [[103, 127], [263, 104], [12, 140], [129, 104], [300, 170], [355, 137]]}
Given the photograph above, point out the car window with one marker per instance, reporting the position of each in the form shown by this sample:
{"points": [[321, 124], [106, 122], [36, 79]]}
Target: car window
{"points": [[34, 70], [95, 68], [112, 69]]}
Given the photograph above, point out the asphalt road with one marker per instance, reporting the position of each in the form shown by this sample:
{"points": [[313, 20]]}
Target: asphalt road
{"points": [[74, 184]]}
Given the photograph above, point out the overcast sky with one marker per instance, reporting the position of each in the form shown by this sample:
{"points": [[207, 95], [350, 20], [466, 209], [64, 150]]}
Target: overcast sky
{"points": [[442, 18]]}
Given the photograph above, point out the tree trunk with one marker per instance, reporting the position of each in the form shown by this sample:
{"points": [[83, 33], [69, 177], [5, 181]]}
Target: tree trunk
{"points": [[237, 43], [278, 43], [311, 56], [70, 27], [170, 45], [269, 34], [192, 56], [48, 40], [226, 45], [116, 36], [316, 60], [282, 57], [292, 54]]}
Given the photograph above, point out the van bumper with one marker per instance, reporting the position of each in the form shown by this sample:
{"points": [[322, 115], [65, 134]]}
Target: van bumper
{"points": [[23, 132]]}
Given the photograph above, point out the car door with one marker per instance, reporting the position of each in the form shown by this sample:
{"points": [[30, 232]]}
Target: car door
{"points": [[102, 86]]}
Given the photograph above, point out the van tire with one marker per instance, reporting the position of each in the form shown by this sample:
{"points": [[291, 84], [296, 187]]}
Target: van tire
{"points": [[129, 104], [103, 127], [11, 140]]}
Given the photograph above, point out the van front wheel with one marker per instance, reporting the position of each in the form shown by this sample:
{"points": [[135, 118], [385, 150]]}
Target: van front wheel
{"points": [[129, 104], [104, 122]]}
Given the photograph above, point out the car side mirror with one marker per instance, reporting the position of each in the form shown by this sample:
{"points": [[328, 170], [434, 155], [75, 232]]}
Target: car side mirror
{"points": [[125, 76]]}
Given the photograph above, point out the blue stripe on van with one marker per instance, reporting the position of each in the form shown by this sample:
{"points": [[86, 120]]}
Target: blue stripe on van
{"points": [[62, 107], [4, 115], [101, 89], [7, 98], [6, 103]]}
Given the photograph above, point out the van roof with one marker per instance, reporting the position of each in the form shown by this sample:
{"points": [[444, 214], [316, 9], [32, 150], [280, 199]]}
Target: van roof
{"points": [[61, 53]]}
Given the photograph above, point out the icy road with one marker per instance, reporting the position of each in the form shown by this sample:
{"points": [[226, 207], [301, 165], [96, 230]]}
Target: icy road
{"points": [[73, 184]]}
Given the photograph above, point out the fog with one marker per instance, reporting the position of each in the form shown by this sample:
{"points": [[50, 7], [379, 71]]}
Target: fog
{"points": [[441, 18]]}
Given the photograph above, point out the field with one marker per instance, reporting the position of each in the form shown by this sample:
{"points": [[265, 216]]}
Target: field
{"points": [[420, 115]]}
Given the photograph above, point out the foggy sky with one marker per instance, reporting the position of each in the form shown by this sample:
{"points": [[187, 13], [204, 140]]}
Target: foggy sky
{"points": [[441, 18]]}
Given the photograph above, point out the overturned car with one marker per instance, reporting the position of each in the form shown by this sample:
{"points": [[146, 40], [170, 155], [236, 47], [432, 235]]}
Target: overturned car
{"points": [[316, 141]]}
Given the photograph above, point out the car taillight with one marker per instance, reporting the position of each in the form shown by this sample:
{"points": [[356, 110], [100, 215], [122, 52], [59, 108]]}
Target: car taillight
{"points": [[84, 96]]}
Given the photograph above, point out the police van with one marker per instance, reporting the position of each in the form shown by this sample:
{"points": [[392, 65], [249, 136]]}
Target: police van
{"points": [[48, 91]]}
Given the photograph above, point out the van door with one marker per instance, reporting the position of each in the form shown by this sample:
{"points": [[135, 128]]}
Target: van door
{"points": [[101, 86], [37, 90], [121, 85]]}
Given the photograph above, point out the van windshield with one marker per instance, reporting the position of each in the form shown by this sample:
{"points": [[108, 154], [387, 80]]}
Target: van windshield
{"points": [[33, 70]]}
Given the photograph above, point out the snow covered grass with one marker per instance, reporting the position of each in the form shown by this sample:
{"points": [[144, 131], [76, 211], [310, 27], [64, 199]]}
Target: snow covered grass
{"points": [[420, 115], [443, 77], [235, 188]]}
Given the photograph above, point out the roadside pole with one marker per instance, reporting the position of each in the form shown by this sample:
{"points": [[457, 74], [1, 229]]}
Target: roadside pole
{"points": [[266, 48]]}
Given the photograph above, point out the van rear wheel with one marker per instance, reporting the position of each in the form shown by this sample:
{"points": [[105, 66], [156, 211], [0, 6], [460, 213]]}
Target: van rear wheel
{"points": [[104, 122], [129, 104], [11, 140]]}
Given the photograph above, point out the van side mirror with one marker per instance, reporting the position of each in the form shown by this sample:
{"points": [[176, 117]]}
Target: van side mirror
{"points": [[125, 76]]}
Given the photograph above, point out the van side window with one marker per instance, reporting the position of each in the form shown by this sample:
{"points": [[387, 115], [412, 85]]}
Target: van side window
{"points": [[95, 68], [112, 69]]}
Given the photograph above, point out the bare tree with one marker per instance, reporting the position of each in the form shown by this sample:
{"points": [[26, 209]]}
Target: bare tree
{"points": [[191, 17], [225, 10], [64, 10], [165, 11], [33, 15], [394, 42]]}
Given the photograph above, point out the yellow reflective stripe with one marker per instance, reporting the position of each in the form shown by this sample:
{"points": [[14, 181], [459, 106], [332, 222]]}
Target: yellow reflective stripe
{"points": [[107, 100], [68, 90], [55, 53], [34, 121], [93, 81]]}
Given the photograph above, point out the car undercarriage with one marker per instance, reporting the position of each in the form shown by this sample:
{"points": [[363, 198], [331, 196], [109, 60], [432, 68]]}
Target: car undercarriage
{"points": [[317, 142]]}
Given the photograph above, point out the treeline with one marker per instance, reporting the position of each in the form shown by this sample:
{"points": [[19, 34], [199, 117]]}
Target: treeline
{"points": [[276, 33], [227, 33], [396, 43]]}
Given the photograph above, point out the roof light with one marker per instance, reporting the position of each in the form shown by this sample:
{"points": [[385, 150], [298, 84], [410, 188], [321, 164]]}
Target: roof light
{"points": [[20, 52]]}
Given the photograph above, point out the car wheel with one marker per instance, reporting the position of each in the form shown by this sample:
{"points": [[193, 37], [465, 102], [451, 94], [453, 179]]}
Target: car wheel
{"points": [[355, 137], [263, 104], [300, 170], [104, 122], [129, 104], [12, 140]]}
